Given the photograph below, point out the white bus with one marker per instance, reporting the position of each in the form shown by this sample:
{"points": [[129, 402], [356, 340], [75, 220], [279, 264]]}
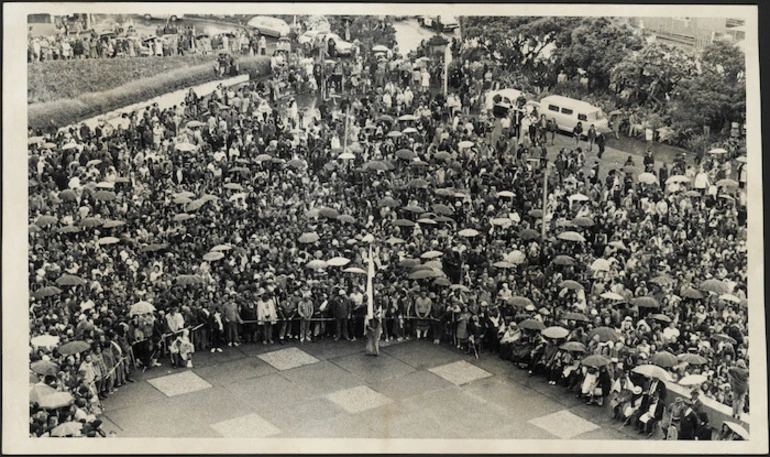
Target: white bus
{"points": [[568, 112]]}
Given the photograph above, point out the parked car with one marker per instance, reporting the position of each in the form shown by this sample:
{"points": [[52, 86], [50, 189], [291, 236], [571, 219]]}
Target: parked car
{"points": [[267, 25], [568, 112], [164, 17], [440, 23]]}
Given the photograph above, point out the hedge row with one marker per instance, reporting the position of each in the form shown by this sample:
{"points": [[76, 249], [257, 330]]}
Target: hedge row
{"points": [[58, 79], [55, 114]]}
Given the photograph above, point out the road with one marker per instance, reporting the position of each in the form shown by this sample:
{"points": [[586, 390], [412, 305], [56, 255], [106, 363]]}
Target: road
{"points": [[414, 389], [409, 35]]}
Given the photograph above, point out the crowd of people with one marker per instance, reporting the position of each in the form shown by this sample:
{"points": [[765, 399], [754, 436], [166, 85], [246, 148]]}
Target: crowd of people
{"points": [[239, 218], [170, 39]]}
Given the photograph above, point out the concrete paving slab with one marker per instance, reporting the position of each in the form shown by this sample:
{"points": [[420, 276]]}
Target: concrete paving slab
{"points": [[299, 415], [513, 400], [322, 378], [358, 399], [179, 383], [460, 372], [249, 426], [422, 354], [288, 358], [269, 391], [564, 424], [328, 349], [140, 392]]}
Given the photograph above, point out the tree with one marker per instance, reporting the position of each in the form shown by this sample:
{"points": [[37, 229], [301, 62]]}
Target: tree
{"points": [[596, 45], [716, 94], [653, 72]]}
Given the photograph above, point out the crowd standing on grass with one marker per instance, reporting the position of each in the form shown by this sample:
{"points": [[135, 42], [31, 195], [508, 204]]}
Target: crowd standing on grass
{"points": [[239, 218]]}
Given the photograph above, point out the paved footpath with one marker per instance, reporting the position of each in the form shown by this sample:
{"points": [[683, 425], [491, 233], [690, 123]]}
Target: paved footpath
{"points": [[414, 389]]}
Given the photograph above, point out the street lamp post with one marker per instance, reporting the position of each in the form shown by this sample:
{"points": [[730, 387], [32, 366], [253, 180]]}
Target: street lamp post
{"points": [[545, 204]]}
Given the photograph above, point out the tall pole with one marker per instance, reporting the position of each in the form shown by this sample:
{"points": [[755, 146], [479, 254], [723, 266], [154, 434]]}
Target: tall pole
{"points": [[545, 204], [347, 121]]}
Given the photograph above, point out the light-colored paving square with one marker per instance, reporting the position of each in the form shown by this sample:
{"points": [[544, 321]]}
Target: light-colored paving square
{"points": [[460, 372], [358, 399], [251, 426], [286, 359], [564, 424], [180, 383]]}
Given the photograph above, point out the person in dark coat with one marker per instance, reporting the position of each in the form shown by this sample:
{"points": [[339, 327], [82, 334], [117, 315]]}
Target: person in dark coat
{"points": [[342, 310], [689, 423], [652, 412], [658, 386]]}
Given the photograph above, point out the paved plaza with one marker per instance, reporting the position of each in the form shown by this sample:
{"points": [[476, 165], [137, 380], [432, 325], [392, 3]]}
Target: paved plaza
{"points": [[326, 389]]}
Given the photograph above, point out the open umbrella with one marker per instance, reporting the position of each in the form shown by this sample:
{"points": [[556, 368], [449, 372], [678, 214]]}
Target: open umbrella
{"points": [[213, 255], [718, 151], [426, 220], [521, 302], [563, 260], [388, 202], [188, 280], [692, 380], [595, 361], [537, 213], [46, 220], [183, 217], [531, 324], [459, 287], [112, 224], [652, 371], [573, 346], [506, 194], [70, 280], [578, 317], [44, 341], [661, 318], [601, 265], [337, 262], [664, 359], [424, 274], [730, 298], [90, 222], [725, 338], [154, 247], [677, 179], [56, 400], [431, 254], [418, 183], [571, 236], [528, 234], [714, 285], [583, 221], [39, 390], [309, 237], [503, 264], [444, 210], [67, 429], [741, 159], [331, 213], [407, 117], [692, 359], [409, 130], [445, 191], [441, 282], [555, 332], [263, 158], [346, 219], [184, 147], [74, 347], [233, 186], [647, 178], [105, 196], [692, 293], [316, 264], [44, 367], [403, 223], [182, 200], [571, 285], [738, 429], [444, 219], [408, 263], [355, 270], [605, 334], [47, 291], [107, 240], [464, 144], [346, 156], [578, 198], [405, 154], [501, 221], [663, 280], [394, 134], [69, 229], [468, 233], [394, 241], [414, 209], [645, 302]]}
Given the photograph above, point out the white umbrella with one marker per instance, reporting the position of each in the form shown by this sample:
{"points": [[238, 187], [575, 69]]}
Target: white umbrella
{"points": [[184, 147], [718, 151], [337, 261], [45, 341], [468, 233], [600, 265]]}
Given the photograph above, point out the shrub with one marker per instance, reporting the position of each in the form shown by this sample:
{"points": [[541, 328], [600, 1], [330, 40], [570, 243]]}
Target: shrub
{"points": [[70, 110]]}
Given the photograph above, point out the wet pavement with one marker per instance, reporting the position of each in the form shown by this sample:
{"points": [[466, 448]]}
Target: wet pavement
{"points": [[414, 389]]}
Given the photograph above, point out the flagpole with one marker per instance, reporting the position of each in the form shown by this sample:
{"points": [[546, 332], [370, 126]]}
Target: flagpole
{"points": [[369, 288]]}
